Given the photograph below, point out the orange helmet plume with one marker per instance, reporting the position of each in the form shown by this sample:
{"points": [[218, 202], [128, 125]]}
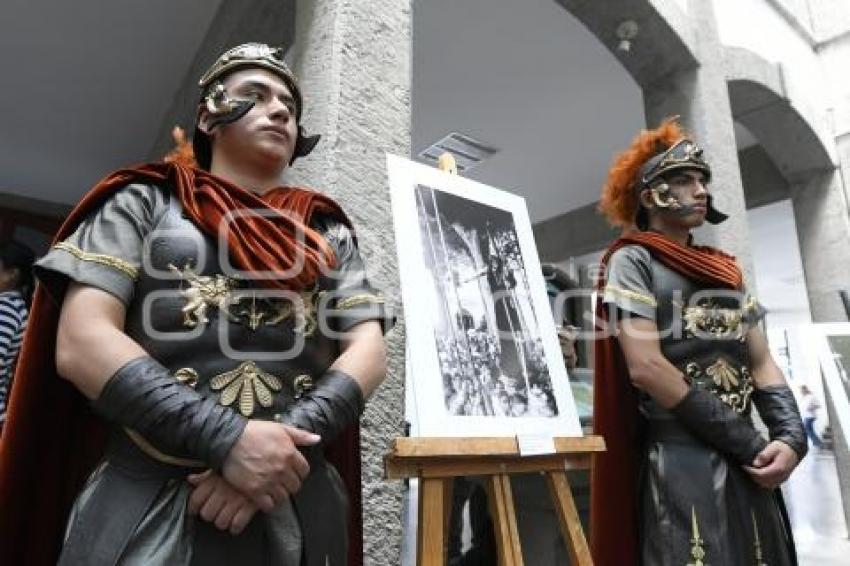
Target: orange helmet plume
{"points": [[619, 203], [182, 154]]}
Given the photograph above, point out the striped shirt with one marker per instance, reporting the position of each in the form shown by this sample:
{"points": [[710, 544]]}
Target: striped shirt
{"points": [[13, 322]]}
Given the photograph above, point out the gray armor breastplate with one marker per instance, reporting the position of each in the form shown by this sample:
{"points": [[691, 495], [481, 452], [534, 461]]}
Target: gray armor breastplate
{"points": [[253, 348], [703, 333]]}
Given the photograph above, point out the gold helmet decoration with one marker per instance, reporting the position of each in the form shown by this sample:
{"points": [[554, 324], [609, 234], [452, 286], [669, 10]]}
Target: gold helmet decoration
{"points": [[253, 55]]}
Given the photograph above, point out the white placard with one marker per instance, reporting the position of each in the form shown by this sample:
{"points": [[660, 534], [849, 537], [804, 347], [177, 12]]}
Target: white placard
{"points": [[535, 444]]}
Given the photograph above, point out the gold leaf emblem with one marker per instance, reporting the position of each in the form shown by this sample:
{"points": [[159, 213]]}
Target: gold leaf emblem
{"points": [[249, 383], [723, 374]]}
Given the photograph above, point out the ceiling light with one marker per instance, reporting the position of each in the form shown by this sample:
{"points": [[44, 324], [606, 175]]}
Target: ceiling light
{"points": [[626, 32], [467, 151]]}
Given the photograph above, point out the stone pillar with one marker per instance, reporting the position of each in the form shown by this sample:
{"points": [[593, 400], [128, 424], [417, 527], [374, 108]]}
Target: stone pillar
{"points": [[353, 59], [820, 211], [700, 96]]}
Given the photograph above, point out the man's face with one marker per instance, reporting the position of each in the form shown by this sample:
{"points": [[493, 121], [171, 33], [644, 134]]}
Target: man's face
{"points": [[688, 187], [267, 133], [8, 277]]}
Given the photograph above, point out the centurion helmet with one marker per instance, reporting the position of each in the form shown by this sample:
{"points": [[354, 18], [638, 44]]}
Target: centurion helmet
{"points": [[652, 156], [224, 109]]}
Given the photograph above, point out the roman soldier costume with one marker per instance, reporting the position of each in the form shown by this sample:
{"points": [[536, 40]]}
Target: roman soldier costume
{"points": [[238, 300], [671, 489]]}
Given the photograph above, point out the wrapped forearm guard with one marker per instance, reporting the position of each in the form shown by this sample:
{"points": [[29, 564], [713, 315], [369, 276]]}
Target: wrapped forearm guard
{"points": [[335, 403], [145, 397], [778, 409], [718, 425]]}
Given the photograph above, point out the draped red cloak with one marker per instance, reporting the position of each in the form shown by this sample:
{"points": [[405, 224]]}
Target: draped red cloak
{"points": [[614, 477], [51, 440]]}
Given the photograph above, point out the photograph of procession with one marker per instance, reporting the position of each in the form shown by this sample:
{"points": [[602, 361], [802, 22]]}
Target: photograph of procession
{"points": [[482, 352], [486, 329]]}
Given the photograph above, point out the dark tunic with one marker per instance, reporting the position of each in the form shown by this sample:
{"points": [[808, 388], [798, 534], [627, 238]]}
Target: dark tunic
{"points": [[696, 505], [252, 348]]}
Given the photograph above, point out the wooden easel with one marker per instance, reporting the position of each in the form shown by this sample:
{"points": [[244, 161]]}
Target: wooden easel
{"points": [[437, 461]]}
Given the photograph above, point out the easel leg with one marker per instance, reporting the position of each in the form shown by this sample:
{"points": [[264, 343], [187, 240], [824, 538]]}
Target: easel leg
{"points": [[504, 520], [571, 529], [431, 539], [448, 495]]}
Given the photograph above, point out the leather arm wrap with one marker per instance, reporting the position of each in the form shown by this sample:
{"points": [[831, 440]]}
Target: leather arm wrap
{"points": [[335, 403], [778, 409], [144, 396], [718, 425]]}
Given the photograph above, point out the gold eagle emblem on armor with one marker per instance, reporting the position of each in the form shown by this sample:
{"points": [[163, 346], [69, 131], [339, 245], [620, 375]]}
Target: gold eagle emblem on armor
{"points": [[243, 306], [708, 320], [249, 383], [202, 292], [303, 310]]}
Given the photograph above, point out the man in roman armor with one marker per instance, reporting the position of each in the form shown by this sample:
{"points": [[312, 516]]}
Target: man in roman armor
{"points": [[217, 336], [686, 479]]}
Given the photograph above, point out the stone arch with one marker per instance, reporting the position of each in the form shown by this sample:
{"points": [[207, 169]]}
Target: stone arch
{"points": [[760, 102], [670, 50]]}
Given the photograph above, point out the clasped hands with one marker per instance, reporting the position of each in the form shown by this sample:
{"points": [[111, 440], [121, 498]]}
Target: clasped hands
{"points": [[773, 465], [263, 468]]}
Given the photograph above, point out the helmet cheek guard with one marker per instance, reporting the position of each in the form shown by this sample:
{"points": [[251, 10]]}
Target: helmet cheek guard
{"points": [[712, 215], [304, 144]]}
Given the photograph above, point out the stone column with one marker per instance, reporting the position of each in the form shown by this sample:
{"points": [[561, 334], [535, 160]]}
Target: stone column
{"points": [[353, 59], [700, 96], [820, 211]]}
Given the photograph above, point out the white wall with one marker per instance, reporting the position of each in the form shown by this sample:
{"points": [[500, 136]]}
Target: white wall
{"points": [[781, 288], [757, 26]]}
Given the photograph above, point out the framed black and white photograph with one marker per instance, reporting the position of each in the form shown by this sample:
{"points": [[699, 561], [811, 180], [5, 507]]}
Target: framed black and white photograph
{"points": [[483, 355]]}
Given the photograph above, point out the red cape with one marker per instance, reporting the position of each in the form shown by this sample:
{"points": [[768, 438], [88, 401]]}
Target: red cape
{"points": [[51, 440], [614, 476]]}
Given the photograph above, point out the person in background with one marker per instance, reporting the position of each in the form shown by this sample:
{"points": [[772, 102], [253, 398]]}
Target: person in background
{"points": [[16, 282], [811, 405]]}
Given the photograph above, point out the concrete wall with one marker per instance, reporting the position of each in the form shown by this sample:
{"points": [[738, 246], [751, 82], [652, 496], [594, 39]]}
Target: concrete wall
{"points": [[700, 95], [575, 233]]}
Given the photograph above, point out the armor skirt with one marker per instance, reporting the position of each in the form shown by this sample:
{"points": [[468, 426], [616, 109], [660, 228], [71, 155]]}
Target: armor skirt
{"points": [[699, 509]]}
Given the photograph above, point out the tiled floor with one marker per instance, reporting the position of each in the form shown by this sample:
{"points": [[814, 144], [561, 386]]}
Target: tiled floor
{"points": [[814, 504]]}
